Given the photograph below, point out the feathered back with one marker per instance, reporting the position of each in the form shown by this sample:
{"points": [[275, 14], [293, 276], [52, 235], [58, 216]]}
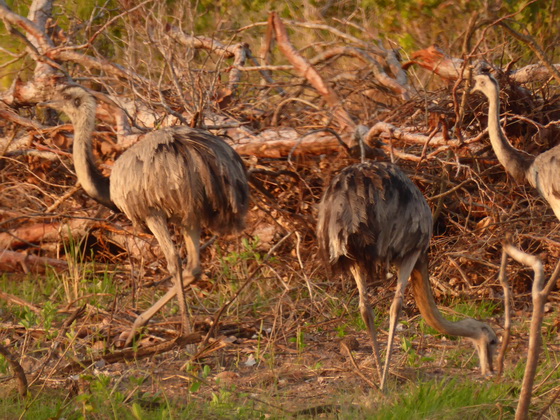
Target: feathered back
{"points": [[188, 174], [370, 213]]}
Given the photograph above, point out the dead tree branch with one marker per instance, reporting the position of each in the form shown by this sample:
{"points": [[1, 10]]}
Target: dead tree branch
{"points": [[539, 294], [305, 69], [507, 314]]}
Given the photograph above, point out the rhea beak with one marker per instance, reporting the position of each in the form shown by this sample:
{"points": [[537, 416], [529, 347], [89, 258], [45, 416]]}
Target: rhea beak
{"points": [[53, 103], [474, 89]]}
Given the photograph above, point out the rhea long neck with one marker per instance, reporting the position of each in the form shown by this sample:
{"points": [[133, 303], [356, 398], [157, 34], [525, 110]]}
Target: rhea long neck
{"points": [[92, 180], [514, 161], [431, 314]]}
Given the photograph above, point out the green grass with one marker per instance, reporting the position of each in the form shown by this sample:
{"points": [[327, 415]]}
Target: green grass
{"points": [[144, 396], [445, 399], [103, 397]]}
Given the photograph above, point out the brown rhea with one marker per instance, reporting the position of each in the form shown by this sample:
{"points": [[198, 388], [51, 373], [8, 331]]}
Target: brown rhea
{"points": [[178, 175]]}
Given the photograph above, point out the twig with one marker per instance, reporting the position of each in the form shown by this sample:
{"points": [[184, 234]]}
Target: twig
{"points": [[64, 197], [357, 369], [547, 406], [54, 346]]}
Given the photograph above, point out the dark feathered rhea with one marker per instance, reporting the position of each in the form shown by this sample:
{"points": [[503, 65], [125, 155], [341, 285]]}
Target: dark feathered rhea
{"points": [[372, 213]]}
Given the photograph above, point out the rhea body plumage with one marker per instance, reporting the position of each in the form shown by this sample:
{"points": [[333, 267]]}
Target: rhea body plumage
{"points": [[542, 171], [372, 214], [180, 175]]}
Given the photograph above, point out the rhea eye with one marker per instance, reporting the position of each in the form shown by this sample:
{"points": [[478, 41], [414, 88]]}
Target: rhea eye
{"points": [[77, 102]]}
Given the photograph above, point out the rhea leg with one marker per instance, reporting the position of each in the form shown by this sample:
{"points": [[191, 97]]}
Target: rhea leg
{"points": [[367, 312], [192, 243], [405, 269], [158, 226]]}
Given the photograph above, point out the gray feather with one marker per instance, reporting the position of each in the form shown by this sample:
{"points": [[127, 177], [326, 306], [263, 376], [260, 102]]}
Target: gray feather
{"points": [[188, 174], [372, 212]]}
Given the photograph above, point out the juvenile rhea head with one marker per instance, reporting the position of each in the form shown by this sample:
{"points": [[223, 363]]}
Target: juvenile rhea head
{"points": [[74, 101]]}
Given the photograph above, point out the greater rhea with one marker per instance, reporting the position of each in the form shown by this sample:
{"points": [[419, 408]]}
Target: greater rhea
{"points": [[181, 175], [372, 214], [542, 171]]}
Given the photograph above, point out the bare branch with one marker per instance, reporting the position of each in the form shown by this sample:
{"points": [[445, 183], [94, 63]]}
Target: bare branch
{"points": [[539, 295], [305, 69], [43, 43], [507, 313], [530, 41]]}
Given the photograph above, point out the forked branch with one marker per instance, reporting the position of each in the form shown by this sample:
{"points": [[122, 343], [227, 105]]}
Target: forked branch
{"points": [[540, 292]]}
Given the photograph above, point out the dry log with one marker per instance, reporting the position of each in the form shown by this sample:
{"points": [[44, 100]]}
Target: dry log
{"points": [[11, 261], [287, 141], [532, 73], [37, 233]]}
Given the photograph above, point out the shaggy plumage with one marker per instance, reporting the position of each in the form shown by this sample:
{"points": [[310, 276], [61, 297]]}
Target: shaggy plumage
{"points": [[371, 214], [181, 175]]}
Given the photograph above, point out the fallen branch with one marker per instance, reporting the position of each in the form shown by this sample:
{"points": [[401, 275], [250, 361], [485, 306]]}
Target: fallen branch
{"points": [[37, 233], [19, 301], [283, 142], [11, 261], [131, 354]]}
